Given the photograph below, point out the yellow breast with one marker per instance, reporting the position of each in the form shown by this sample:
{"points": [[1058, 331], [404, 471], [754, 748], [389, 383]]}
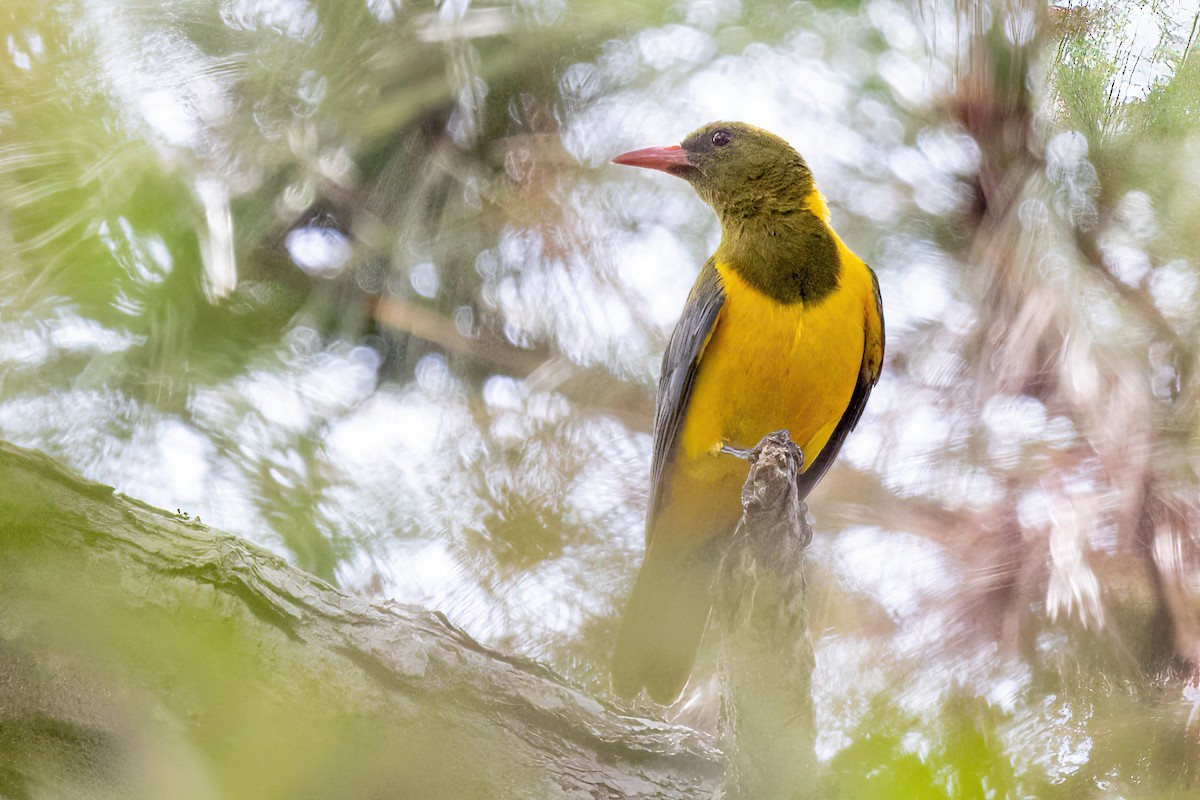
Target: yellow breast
{"points": [[770, 366]]}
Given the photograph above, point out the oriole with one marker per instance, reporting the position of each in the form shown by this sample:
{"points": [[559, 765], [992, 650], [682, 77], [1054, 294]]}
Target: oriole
{"points": [[782, 330]]}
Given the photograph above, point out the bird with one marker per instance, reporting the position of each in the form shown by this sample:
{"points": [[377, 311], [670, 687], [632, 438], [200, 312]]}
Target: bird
{"points": [[783, 329]]}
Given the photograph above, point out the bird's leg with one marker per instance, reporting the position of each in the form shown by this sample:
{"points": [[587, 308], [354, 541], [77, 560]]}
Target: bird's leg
{"points": [[736, 452], [777, 438]]}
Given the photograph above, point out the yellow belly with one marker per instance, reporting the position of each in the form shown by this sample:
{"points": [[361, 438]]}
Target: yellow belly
{"points": [[769, 366]]}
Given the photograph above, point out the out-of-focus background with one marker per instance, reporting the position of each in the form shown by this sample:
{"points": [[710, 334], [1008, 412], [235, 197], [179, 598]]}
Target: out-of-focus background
{"points": [[355, 280]]}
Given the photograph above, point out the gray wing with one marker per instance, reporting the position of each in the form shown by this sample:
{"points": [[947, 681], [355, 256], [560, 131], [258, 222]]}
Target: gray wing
{"points": [[679, 367]]}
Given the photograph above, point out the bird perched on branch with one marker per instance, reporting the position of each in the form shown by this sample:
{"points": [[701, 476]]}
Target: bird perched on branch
{"points": [[783, 330]]}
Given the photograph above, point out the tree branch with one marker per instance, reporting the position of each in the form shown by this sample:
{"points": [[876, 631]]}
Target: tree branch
{"points": [[767, 723], [132, 640]]}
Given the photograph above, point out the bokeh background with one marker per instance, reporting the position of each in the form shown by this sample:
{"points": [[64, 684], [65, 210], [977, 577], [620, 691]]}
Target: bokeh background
{"points": [[354, 279]]}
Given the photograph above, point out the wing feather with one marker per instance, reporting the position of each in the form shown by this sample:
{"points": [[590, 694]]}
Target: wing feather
{"points": [[679, 367]]}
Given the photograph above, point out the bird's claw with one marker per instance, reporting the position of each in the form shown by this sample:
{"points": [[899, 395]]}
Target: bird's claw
{"points": [[751, 454], [737, 452]]}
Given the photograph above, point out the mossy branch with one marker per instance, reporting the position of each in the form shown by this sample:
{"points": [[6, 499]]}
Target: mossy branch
{"points": [[143, 654]]}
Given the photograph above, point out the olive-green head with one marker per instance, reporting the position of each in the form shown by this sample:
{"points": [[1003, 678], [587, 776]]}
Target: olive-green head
{"points": [[738, 169]]}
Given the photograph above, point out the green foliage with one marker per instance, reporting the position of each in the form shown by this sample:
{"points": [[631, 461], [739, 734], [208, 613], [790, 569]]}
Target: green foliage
{"points": [[455, 412]]}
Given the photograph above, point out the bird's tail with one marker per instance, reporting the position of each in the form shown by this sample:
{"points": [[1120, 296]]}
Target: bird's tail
{"points": [[663, 624]]}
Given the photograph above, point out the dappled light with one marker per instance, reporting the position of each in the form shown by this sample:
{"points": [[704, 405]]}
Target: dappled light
{"points": [[356, 282]]}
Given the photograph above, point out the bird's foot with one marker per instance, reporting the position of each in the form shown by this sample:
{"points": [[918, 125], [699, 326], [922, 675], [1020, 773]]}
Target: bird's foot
{"points": [[773, 439], [737, 452]]}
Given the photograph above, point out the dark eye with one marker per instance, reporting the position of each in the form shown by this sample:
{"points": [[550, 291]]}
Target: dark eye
{"points": [[721, 138]]}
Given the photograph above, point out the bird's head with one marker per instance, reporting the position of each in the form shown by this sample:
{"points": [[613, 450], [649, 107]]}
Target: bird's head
{"points": [[738, 169]]}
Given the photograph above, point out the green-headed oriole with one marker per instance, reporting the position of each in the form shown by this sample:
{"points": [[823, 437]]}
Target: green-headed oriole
{"points": [[782, 330]]}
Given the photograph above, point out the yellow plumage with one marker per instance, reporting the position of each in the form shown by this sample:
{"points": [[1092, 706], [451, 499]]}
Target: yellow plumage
{"points": [[766, 367]]}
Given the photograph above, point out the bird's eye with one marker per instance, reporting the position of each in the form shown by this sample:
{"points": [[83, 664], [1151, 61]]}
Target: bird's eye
{"points": [[721, 138]]}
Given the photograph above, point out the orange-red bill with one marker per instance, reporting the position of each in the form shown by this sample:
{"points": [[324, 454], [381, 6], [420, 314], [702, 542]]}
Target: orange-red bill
{"points": [[668, 159]]}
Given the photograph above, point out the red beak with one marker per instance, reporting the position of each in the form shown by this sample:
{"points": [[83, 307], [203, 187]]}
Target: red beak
{"points": [[673, 159]]}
